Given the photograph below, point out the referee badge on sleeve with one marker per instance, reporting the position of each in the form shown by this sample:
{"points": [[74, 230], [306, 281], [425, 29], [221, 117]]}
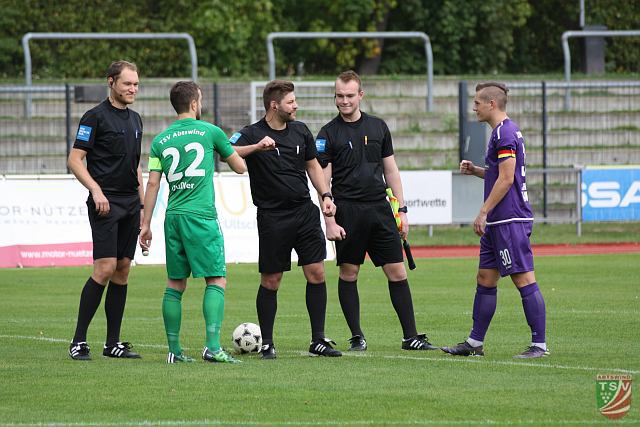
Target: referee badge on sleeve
{"points": [[84, 133], [235, 137], [321, 145]]}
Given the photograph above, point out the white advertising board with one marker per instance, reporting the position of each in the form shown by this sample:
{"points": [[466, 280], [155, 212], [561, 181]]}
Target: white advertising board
{"points": [[428, 196], [43, 220]]}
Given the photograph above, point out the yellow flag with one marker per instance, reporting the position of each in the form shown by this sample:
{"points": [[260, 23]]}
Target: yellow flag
{"points": [[394, 207]]}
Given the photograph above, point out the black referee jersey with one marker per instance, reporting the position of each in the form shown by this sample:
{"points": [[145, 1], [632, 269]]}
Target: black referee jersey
{"points": [[112, 138], [278, 177], [355, 151]]}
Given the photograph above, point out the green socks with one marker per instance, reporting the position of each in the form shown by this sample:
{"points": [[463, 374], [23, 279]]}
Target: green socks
{"points": [[212, 307], [213, 310], [172, 315]]}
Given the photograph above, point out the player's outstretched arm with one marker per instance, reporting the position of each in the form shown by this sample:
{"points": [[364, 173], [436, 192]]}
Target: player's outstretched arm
{"points": [[236, 163]]}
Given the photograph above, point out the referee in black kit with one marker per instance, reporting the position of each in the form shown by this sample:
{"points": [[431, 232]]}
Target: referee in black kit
{"points": [[356, 152], [109, 138], [287, 218]]}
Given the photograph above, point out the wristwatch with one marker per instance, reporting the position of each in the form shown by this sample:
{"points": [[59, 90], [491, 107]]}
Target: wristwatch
{"points": [[327, 194], [403, 209]]}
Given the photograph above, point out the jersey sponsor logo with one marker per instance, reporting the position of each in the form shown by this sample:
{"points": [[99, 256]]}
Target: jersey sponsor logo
{"points": [[506, 153], [519, 135], [525, 193], [235, 137], [321, 145], [183, 186], [84, 133]]}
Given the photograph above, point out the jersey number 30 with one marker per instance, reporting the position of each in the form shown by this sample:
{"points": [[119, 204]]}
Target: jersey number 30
{"points": [[192, 169]]}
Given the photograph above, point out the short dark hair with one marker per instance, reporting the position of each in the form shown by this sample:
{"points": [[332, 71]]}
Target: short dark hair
{"points": [[494, 91], [350, 75], [182, 94], [276, 90], [116, 67]]}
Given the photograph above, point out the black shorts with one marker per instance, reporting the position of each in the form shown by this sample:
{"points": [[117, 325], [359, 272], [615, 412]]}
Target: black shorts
{"points": [[280, 231], [370, 228], [116, 234]]}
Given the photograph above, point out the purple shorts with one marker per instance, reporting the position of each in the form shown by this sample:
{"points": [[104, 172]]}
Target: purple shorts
{"points": [[506, 247]]}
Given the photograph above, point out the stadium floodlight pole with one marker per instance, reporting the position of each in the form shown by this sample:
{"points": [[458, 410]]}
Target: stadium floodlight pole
{"points": [[356, 35], [567, 53], [99, 36]]}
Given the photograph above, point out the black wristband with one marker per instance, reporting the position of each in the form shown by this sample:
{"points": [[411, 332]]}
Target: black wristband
{"points": [[327, 194], [403, 209], [141, 206]]}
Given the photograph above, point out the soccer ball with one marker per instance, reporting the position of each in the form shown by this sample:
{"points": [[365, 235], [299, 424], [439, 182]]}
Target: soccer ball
{"points": [[247, 338]]}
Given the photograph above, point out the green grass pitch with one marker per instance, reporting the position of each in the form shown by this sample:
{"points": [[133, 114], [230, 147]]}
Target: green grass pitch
{"points": [[593, 305]]}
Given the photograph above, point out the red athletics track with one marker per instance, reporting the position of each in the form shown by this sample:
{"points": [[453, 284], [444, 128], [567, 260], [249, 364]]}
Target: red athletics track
{"points": [[538, 250]]}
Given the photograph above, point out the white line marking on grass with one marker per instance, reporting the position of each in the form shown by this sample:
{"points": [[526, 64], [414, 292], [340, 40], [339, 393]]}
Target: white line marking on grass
{"points": [[323, 422], [57, 340], [454, 359], [590, 312], [450, 359]]}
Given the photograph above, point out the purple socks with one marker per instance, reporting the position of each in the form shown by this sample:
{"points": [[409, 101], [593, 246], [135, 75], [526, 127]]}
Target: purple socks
{"points": [[484, 306], [534, 311]]}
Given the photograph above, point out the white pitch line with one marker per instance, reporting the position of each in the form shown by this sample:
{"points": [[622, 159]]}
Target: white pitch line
{"points": [[62, 340], [323, 422], [450, 359], [480, 360]]}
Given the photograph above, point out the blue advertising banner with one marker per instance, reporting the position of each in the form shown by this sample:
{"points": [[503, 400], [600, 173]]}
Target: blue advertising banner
{"points": [[611, 193]]}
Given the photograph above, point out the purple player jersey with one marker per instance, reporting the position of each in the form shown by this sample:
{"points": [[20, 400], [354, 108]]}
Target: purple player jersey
{"points": [[507, 142]]}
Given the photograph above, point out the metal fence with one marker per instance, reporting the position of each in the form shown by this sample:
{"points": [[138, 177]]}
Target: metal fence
{"points": [[602, 127], [354, 35], [93, 36], [39, 142]]}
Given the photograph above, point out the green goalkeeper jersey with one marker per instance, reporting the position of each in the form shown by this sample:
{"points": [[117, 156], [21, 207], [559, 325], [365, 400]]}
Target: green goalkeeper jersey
{"points": [[184, 152]]}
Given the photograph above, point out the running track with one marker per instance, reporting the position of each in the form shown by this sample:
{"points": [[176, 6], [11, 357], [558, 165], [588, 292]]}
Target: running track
{"points": [[538, 250]]}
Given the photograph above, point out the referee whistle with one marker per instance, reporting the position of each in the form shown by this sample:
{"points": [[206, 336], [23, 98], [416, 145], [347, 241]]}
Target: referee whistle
{"points": [[365, 140]]}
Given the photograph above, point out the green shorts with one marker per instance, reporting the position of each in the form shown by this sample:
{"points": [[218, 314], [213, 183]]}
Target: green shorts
{"points": [[195, 245]]}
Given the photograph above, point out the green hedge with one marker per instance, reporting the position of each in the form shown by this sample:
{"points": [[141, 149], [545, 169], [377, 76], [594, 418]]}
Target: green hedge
{"points": [[468, 36]]}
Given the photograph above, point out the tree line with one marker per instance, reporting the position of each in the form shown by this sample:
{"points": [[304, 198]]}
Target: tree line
{"points": [[467, 36]]}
